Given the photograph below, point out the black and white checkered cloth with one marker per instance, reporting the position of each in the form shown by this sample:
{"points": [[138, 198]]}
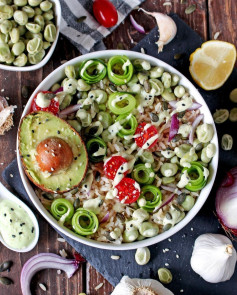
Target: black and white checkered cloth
{"points": [[87, 36]]}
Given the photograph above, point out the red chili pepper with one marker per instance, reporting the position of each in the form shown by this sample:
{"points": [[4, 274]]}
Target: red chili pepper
{"points": [[128, 190], [105, 13], [112, 165], [53, 107], [145, 135]]}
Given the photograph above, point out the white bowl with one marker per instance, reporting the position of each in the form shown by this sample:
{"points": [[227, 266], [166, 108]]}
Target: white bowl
{"points": [[56, 76], [57, 12]]}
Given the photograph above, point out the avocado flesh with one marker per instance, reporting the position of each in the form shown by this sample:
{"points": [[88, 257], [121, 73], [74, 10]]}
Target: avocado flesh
{"points": [[37, 126]]}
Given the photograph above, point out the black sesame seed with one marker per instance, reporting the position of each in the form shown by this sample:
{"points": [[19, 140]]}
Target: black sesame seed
{"points": [[69, 85], [183, 104], [13, 236], [32, 230], [58, 132], [120, 173], [75, 158], [121, 168], [148, 144], [12, 209], [22, 224], [46, 120], [11, 220], [79, 155], [121, 98], [20, 233], [70, 179], [91, 96], [58, 188], [5, 214], [85, 185], [40, 123], [28, 156], [33, 131]]}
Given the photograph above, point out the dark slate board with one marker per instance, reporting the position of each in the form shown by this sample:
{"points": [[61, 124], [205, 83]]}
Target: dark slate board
{"points": [[186, 41]]}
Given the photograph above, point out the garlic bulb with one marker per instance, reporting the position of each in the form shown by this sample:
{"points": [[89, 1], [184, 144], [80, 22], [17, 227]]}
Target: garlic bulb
{"points": [[213, 258], [129, 286], [167, 28]]}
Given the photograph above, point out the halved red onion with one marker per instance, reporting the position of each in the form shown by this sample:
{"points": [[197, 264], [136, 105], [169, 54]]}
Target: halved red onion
{"points": [[69, 110], [174, 127], [60, 89], [136, 26], [105, 218], [194, 126], [164, 204], [45, 261], [226, 203], [228, 181]]}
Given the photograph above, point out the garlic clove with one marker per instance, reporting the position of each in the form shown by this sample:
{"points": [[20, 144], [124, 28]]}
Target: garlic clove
{"points": [[140, 287], [167, 28]]}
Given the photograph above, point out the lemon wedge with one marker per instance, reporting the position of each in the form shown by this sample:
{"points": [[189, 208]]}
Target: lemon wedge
{"points": [[212, 64]]}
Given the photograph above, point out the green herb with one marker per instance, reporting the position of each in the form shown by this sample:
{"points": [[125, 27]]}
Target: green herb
{"points": [[190, 9]]}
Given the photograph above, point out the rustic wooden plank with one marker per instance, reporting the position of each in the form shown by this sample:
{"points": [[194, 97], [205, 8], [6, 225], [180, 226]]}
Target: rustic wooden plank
{"points": [[223, 19]]}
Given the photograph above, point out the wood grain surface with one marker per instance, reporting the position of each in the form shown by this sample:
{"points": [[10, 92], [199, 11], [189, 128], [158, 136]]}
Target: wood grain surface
{"points": [[211, 16]]}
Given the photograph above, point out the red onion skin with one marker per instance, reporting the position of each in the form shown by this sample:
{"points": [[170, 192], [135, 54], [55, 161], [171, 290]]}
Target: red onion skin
{"points": [[194, 126], [165, 203], [69, 110], [105, 218], [174, 127], [227, 189], [60, 89], [136, 26]]}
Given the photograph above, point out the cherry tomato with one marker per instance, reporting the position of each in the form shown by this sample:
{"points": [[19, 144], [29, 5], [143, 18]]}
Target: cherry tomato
{"points": [[128, 190], [145, 135], [53, 107], [112, 165], [105, 13]]}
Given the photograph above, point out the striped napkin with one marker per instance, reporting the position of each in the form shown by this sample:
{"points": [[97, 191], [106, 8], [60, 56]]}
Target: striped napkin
{"points": [[87, 36]]}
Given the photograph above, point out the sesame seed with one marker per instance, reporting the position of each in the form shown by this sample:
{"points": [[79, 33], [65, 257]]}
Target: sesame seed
{"points": [[52, 169], [75, 158], [12, 209], [99, 286], [42, 286], [13, 236], [191, 228], [33, 131], [166, 264], [58, 132], [32, 230], [46, 145], [59, 145], [11, 175], [181, 291], [53, 154], [177, 256], [115, 257], [11, 220], [20, 233], [59, 272]]}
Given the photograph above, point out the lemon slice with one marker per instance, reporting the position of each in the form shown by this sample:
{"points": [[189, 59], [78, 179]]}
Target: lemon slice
{"points": [[212, 64]]}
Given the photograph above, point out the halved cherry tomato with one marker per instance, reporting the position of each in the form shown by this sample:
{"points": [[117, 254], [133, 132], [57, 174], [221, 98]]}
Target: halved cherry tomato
{"points": [[105, 13], [53, 107], [112, 165], [128, 190], [145, 135]]}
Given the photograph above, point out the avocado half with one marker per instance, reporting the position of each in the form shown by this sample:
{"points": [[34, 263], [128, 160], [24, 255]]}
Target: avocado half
{"points": [[39, 126]]}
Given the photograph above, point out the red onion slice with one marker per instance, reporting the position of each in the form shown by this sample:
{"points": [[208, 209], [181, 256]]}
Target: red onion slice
{"points": [[60, 89], [105, 218], [171, 189], [69, 110], [174, 127], [226, 203], [136, 26], [165, 203], [194, 106], [45, 261], [194, 126]]}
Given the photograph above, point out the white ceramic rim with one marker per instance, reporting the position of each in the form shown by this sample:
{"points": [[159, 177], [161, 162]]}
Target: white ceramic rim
{"points": [[58, 16], [5, 194], [58, 74]]}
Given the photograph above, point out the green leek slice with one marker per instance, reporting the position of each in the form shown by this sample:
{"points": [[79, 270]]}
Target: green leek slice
{"points": [[92, 71], [60, 207], [121, 103], [96, 145], [197, 183], [129, 124], [143, 174], [120, 70], [85, 222], [153, 197]]}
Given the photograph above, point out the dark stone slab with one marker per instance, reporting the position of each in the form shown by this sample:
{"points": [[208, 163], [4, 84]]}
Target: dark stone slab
{"points": [[186, 41]]}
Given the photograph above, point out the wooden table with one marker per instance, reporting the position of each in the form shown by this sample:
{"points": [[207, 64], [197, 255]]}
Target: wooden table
{"points": [[211, 16]]}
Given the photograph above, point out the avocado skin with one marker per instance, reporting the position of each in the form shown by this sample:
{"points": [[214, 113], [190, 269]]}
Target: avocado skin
{"points": [[34, 128]]}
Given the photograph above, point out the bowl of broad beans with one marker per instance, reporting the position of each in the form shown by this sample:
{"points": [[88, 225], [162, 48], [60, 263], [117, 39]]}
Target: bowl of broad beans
{"points": [[29, 32]]}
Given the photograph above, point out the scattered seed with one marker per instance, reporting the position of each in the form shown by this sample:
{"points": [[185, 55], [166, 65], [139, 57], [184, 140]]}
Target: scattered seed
{"points": [[59, 272], [190, 9], [81, 19], [178, 56], [115, 257], [120, 45], [25, 91], [63, 253], [177, 256], [99, 286], [233, 115], [143, 50], [76, 203], [220, 116], [167, 3], [177, 137], [216, 35], [147, 86], [167, 227], [63, 61], [43, 287], [177, 208], [154, 117], [233, 95], [5, 281], [165, 105], [199, 147], [181, 198], [61, 240], [5, 265]]}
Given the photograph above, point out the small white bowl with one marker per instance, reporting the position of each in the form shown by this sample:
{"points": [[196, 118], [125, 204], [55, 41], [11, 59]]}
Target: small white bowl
{"points": [[57, 11], [59, 74], [7, 195]]}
